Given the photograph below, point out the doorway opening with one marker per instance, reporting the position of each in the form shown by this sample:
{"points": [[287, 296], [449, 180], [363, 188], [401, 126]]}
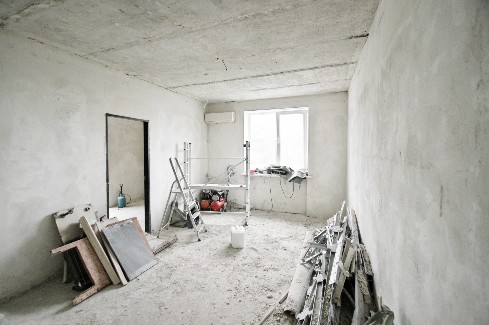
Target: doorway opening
{"points": [[127, 164]]}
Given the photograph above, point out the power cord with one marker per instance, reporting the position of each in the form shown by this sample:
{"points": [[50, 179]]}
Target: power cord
{"points": [[283, 192]]}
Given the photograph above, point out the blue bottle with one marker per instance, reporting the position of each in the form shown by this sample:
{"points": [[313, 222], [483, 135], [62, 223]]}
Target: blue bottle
{"points": [[121, 199]]}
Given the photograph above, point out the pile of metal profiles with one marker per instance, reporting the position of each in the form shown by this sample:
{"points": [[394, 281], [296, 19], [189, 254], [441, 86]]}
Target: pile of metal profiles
{"points": [[339, 275]]}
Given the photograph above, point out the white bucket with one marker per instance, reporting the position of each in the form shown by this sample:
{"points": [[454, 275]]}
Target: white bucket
{"points": [[237, 236]]}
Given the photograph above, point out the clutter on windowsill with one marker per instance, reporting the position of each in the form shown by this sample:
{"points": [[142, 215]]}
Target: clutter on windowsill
{"points": [[282, 171], [252, 174]]}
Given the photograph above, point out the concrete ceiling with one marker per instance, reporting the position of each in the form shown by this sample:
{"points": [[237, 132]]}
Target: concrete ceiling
{"points": [[211, 50]]}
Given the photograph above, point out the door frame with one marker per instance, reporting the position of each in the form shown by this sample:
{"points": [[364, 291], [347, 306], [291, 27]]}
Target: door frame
{"points": [[147, 210]]}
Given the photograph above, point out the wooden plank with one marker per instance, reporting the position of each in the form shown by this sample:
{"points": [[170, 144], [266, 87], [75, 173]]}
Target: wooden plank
{"points": [[85, 294], [64, 248], [131, 250], [158, 244], [94, 268], [99, 250]]}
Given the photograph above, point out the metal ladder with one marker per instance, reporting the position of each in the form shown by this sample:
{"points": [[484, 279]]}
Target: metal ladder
{"points": [[190, 207]]}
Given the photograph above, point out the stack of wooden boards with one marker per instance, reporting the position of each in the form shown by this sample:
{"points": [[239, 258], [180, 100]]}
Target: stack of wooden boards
{"points": [[113, 251], [334, 283]]}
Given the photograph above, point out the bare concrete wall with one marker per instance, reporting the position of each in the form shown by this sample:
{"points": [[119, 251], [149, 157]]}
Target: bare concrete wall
{"points": [[126, 158], [418, 158], [319, 196], [52, 145]]}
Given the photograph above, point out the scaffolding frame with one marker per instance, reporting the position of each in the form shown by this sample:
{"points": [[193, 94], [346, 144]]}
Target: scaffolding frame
{"points": [[187, 169]]}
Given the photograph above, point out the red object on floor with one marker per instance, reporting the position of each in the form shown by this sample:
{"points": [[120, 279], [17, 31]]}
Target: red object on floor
{"points": [[204, 204], [217, 205]]}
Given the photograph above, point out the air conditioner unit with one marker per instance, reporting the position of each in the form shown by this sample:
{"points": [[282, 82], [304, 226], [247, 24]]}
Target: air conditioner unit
{"points": [[214, 118]]}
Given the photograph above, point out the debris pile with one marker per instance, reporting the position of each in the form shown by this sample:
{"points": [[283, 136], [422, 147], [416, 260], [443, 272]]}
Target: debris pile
{"points": [[296, 176], [98, 252], [334, 282]]}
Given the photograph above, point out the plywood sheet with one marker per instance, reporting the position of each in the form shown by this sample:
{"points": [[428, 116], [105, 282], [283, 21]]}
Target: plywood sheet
{"points": [[158, 244], [130, 248], [92, 264], [68, 224]]}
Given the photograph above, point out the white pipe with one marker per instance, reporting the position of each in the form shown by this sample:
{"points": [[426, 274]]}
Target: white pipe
{"points": [[189, 179], [248, 183]]}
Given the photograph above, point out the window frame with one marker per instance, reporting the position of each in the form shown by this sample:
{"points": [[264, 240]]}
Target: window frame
{"points": [[304, 110]]}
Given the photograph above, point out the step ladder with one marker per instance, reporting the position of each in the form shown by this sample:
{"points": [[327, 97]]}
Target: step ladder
{"points": [[190, 206]]}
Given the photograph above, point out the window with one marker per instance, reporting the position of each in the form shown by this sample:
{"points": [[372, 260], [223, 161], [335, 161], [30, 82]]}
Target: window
{"points": [[277, 136]]}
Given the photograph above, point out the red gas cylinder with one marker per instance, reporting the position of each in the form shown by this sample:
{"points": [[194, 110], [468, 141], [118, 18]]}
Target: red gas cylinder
{"points": [[204, 204], [217, 205]]}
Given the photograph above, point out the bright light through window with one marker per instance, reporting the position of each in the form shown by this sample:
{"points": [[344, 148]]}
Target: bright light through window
{"points": [[278, 137]]}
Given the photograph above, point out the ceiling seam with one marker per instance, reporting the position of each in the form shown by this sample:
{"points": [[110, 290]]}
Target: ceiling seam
{"points": [[160, 36], [299, 85], [156, 38], [267, 74]]}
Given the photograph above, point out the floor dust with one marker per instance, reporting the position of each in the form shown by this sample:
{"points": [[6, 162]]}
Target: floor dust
{"points": [[205, 282]]}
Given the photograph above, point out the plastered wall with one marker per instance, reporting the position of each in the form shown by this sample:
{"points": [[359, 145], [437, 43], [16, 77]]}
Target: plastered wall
{"points": [[319, 196], [126, 159], [418, 158], [52, 147]]}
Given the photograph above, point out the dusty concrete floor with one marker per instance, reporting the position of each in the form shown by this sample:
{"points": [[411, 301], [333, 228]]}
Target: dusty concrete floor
{"points": [[205, 282]]}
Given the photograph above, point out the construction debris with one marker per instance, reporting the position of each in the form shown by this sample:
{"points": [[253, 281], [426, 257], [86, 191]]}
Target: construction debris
{"points": [[158, 244], [100, 252], [90, 262], [333, 283], [383, 317], [300, 283]]}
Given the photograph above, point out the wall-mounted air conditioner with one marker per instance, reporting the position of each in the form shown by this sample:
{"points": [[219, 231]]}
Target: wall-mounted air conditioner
{"points": [[214, 118]]}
